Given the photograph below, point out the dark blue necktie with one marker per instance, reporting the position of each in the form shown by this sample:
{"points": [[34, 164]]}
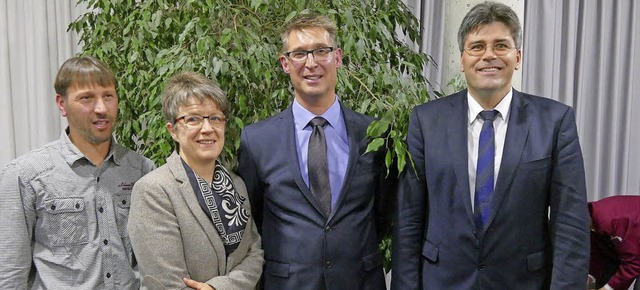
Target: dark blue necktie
{"points": [[318, 166], [484, 171]]}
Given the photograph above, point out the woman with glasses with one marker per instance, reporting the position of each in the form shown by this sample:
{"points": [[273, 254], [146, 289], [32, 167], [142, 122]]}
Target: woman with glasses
{"points": [[190, 222]]}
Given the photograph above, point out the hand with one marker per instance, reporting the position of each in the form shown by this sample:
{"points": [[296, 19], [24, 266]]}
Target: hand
{"points": [[591, 282], [193, 284]]}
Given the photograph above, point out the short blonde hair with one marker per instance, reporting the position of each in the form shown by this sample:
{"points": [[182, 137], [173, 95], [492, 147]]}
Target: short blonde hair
{"points": [[303, 21]]}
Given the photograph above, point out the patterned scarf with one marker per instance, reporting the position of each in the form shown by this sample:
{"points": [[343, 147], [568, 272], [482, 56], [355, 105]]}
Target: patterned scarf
{"points": [[222, 203]]}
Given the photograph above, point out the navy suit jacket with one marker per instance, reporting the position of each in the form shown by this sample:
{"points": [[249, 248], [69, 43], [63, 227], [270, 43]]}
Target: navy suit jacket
{"points": [[537, 235], [301, 246]]}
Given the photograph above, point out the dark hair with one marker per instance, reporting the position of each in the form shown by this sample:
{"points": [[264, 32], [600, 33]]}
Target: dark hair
{"points": [[487, 13]]}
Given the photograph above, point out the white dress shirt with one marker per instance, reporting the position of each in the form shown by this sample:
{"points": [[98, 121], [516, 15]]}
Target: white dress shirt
{"points": [[473, 136]]}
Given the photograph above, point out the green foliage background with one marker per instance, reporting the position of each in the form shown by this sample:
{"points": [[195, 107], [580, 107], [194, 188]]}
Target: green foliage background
{"points": [[237, 44]]}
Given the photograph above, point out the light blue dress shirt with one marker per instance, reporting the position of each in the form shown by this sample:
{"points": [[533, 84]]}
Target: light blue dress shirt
{"points": [[337, 144]]}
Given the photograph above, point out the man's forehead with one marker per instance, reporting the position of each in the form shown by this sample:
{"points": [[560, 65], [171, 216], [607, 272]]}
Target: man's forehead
{"points": [[308, 34], [494, 31], [88, 87]]}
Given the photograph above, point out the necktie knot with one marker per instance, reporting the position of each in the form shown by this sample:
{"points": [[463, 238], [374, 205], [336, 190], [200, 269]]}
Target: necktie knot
{"points": [[318, 121], [489, 115]]}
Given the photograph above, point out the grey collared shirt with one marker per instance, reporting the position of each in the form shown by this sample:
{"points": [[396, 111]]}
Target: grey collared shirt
{"points": [[63, 220]]}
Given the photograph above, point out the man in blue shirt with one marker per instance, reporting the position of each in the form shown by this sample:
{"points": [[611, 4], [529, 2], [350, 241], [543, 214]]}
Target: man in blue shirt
{"points": [[321, 204]]}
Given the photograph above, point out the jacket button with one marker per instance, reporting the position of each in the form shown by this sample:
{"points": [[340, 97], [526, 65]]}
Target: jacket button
{"points": [[53, 207], [328, 265], [327, 229], [481, 266], [101, 209]]}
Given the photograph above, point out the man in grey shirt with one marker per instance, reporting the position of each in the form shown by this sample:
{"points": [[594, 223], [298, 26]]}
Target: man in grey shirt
{"points": [[64, 207]]}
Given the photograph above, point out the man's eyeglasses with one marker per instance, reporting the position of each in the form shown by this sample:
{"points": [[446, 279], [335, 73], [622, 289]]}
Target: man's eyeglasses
{"points": [[478, 49], [196, 121], [319, 54]]}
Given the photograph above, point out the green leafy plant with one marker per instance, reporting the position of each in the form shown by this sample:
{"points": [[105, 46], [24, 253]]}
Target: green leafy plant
{"points": [[237, 44], [455, 84]]}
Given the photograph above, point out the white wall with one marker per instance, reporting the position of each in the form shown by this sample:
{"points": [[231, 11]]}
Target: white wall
{"points": [[34, 42]]}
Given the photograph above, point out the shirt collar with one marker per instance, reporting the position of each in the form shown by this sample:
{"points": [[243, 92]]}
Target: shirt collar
{"points": [[302, 116], [502, 107], [71, 153]]}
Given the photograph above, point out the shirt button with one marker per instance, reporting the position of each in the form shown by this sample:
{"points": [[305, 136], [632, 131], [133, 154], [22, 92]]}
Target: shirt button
{"points": [[108, 275], [328, 265], [106, 242], [53, 207], [481, 266], [101, 209]]}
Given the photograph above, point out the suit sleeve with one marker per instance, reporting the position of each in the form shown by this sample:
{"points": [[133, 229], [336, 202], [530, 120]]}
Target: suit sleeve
{"points": [[17, 219], [247, 169], [568, 209], [155, 237], [410, 215], [628, 252]]}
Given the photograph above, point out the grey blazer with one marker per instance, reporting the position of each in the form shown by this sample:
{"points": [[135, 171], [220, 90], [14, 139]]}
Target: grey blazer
{"points": [[173, 238]]}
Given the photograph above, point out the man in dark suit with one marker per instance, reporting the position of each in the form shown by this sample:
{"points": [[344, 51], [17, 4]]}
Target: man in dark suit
{"points": [[497, 203], [321, 217], [615, 241]]}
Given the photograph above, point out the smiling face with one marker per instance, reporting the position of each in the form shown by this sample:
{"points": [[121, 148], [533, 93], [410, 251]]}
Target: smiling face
{"points": [[199, 146], [313, 81], [489, 76], [91, 112]]}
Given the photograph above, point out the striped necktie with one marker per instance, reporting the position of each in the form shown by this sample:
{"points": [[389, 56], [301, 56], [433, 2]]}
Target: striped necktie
{"points": [[484, 170]]}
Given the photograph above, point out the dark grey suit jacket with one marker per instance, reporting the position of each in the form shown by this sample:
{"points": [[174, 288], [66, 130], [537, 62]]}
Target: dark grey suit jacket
{"points": [[302, 248], [537, 236]]}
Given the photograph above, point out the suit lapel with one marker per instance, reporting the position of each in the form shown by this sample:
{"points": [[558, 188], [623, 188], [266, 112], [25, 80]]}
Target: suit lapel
{"points": [[356, 134], [456, 138], [516, 138], [285, 120], [186, 190]]}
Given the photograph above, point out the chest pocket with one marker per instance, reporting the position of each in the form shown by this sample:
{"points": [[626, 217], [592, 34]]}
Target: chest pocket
{"points": [[66, 221], [122, 205]]}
